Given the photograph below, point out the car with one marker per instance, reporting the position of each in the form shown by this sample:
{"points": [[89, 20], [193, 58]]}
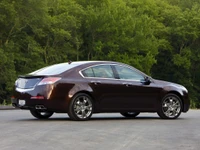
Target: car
{"points": [[83, 88]]}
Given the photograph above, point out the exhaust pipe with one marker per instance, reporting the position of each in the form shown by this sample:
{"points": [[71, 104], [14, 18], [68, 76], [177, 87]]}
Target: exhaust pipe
{"points": [[40, 107]]}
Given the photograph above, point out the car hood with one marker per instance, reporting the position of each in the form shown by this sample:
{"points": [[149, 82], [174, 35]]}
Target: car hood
{"points": [[166, 83]]}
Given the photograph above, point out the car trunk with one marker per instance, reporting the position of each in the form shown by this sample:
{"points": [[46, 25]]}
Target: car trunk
{"points": [[28, 82]]}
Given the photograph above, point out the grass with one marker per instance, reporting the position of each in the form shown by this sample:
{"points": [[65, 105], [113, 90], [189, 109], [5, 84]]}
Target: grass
{"points": [[6, 103]]}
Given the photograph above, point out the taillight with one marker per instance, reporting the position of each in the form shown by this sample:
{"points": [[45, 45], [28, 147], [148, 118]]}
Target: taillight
{"points": [[49, 80], [12, 98]]}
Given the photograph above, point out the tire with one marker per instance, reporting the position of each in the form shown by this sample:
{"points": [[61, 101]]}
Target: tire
{"points": [[171, 107], [81, 107], [41, 115], [130, 114]]}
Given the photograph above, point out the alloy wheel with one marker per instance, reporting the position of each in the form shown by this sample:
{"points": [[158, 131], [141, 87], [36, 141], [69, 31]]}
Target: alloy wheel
{"points": [[130, 114], [81, 107], [41, 115], [171, 107]]}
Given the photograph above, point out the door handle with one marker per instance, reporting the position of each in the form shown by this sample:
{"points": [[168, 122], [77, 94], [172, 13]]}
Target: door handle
{"points": [[127, 84], [96, 82]]}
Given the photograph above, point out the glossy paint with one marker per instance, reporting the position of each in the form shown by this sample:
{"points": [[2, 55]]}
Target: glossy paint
{"points": [[108, 94]]}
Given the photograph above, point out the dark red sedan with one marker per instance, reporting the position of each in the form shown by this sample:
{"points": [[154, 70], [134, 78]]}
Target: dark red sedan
{"points": [[86, 87]]}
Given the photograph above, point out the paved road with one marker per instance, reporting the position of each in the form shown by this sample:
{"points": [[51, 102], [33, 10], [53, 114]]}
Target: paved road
{"points": [[20, 131]]}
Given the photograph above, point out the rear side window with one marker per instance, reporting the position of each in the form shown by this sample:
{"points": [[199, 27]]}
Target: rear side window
{"points": [[88, 72], [54, 69], [101, 71]]}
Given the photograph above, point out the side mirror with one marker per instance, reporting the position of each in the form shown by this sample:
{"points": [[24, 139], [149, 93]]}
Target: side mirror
{"points": [[146, 81]]}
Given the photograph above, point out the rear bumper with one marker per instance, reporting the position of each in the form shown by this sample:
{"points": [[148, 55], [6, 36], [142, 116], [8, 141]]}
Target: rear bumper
{"points": [[42, 105], [41, 97], [30, 104]]}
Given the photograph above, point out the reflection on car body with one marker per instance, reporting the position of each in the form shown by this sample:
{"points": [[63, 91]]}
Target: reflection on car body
{"points": [[85, 87]]}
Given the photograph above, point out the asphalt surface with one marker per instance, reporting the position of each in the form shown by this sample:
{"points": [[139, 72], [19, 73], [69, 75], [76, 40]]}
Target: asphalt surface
{"points": [[20, 131], [6, 107]]}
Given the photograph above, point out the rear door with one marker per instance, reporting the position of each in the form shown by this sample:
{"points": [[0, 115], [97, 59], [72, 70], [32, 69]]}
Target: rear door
{"points": [[105, 87]]}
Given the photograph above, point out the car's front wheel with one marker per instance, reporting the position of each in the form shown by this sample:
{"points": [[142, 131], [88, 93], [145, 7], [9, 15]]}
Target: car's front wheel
{"points": [[41, 115], [130, 114], [170, 107], [81, 107]]}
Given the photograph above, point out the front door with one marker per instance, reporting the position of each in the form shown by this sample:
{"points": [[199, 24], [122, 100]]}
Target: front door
{"points": [[136, 95]]}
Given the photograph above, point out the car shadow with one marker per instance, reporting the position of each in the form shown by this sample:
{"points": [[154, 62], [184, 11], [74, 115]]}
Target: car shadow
{"points": [[100, 117], [95, 119]]}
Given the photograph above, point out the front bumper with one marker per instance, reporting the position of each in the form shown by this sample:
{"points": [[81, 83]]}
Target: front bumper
{"points": [[186, 101]]}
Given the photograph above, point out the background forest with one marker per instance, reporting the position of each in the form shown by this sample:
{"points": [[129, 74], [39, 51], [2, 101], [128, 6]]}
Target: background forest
{"points": [[159, 37]]}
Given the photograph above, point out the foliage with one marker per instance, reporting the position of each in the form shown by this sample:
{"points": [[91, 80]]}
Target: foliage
{"points": [[160, 37]]}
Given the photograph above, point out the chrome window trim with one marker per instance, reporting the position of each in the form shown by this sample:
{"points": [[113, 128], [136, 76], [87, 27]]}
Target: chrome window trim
{"points": [[80, 72]]}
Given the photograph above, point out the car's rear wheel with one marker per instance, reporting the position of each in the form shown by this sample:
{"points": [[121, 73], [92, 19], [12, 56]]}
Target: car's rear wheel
{"points": [[170, 107], [130, 114], [41, 114], [81, 107]]}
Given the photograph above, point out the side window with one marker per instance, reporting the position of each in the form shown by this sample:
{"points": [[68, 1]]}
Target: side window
{"points": [[88, 72], [128, 73], [101, 71]]}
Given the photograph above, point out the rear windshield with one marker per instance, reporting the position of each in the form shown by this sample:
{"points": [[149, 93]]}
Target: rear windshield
{"points": [[55, 69]]}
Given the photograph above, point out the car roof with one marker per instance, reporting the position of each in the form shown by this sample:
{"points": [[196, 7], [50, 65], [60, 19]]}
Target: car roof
{"points": [[90, 63], [62, 67], [85, 62]]}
